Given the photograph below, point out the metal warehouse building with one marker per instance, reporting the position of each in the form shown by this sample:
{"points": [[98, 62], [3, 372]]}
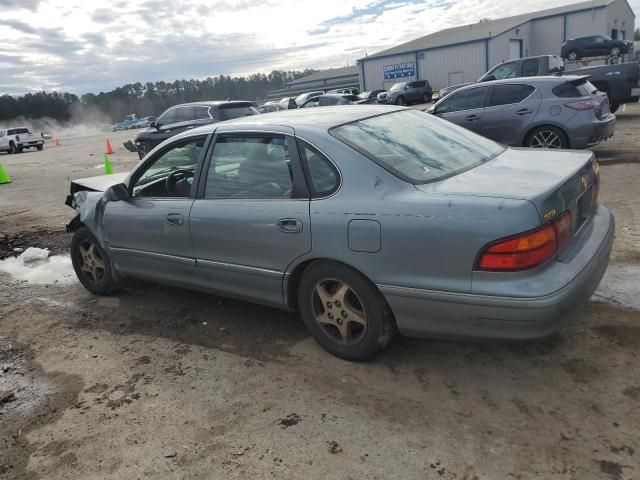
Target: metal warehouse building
{"points": [[344, 77], [463, 54]]}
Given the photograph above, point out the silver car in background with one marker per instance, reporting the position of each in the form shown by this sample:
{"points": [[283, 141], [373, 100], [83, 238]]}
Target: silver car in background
{"points": [[367, 220], [536, 112]]}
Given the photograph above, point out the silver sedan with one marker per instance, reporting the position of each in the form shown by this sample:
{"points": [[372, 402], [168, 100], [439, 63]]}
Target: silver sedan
{"points": [[367, 220]]}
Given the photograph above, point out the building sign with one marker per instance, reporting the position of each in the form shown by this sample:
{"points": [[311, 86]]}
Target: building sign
{"points": [[399, 70]]}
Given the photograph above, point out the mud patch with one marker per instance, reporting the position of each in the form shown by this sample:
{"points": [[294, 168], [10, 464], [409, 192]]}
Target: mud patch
{"points": [[611, 469], [290, 420], [40, 399], [58, 242], [622, 335]]}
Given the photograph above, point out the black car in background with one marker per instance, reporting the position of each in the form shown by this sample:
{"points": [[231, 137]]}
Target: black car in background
{"points": [[328, 100], [406, 93], [594, 46], [368, 97], [189, 115]]}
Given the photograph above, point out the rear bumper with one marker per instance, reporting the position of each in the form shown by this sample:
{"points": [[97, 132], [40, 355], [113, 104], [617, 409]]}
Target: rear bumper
{"points": [[30, 143], [427, 313], [593, 132]]}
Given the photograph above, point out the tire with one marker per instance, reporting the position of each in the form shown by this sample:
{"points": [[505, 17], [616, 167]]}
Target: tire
{"points": [[143, 149], [426, 98], [614, 52], [359, 323], [98, 277], [39, 147], [573, 55], [400, 100], [613, 106], [546, 136], [13, 148]]}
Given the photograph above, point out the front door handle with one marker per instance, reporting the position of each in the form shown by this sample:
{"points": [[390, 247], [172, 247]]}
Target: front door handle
{"points": [[524, 111], [175, 219], [289, 225], [471, 118]]}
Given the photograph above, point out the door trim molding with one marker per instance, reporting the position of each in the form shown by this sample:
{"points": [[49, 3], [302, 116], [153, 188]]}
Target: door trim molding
{"points": [[232, 267], [154, 255]]}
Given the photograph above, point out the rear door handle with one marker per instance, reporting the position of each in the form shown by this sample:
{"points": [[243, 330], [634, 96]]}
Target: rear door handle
{"points": [[524, 111], [289, 225], [471, 118], [175, 219]]}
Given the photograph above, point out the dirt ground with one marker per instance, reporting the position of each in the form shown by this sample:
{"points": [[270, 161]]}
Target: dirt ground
{"points": [[157, 382]]}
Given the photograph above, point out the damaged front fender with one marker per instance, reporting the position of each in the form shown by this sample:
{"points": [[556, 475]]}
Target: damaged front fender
{"points": [[89, 207]]}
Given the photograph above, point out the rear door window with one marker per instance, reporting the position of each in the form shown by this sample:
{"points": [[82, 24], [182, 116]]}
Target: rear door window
{"points": [[530, 67], [186, 114], [464, 100], [233, 111], [508, 94], [202, 113], [168, 117]]}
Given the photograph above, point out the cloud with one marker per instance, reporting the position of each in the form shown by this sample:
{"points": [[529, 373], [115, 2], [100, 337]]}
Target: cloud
{"points": [[82, 46]]}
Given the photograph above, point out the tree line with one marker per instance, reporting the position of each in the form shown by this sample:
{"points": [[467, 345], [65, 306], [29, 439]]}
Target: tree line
{"points": [[151, 98]]}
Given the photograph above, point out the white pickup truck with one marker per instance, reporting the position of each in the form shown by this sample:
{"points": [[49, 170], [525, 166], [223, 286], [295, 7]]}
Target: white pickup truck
{"points": [[14, 140]]}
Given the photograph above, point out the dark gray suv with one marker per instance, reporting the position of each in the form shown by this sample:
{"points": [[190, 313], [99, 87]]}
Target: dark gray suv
{"points": [[405, 93]]}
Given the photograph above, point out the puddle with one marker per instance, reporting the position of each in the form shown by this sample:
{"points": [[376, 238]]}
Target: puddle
{"points": [[56, 269], [620, 286]]}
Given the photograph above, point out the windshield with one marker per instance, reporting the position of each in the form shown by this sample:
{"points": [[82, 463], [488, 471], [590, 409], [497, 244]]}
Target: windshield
{"points": [[416, 146], [227, 113], [397, 86]]}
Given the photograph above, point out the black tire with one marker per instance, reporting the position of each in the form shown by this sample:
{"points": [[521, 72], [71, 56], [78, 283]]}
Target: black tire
{"points": [[400, 100], [39, 147], [532, 139], [573, 55], [13, 148], [143, 149], [426, 98], [613, 106], [101, 284], [615, 52], [380, 327]]}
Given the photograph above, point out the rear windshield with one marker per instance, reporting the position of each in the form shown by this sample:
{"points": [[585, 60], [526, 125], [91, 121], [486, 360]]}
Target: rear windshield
{"points": [[574, 89], [416, 146], [227, 113], [14, 131]]}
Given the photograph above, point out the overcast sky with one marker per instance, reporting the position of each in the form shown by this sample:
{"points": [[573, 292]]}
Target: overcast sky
{"points": [[93, 45]]}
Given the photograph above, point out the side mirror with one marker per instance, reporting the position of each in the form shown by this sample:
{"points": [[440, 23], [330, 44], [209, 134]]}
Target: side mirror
{"points": [[488, 78], [118, 192]]}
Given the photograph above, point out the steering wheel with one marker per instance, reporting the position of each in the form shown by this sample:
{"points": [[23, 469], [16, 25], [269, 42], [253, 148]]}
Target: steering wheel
{"points": [[175, 177]]}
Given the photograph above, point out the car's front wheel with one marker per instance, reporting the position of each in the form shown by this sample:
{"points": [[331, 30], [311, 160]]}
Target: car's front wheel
{"points": [[344, 311], [400, 100], [573, 56], [143, 149], [615, 52], [13, 148], [39, 147], [546, 137], [91, 263]]}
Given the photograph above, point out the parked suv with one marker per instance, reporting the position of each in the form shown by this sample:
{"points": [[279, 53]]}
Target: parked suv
{"points": [[594, 46], [14, 140], [186, 116], [536, 112], [405, 93]]}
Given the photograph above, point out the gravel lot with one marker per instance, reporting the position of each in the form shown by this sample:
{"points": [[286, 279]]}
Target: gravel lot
{"points": [[157, 382]]}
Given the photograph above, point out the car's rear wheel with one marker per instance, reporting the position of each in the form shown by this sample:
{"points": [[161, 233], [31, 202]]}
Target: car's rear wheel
{"points": [[39, 147], [400, 100], [426, 98], [91, 263], [344, 311], [546, 137], [573, 55]]}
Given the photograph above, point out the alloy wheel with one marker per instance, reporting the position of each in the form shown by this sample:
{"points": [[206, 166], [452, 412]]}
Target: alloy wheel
{"points": [[91, 262], [615, 52], [573, 56], [545, 139], [339, 311]]}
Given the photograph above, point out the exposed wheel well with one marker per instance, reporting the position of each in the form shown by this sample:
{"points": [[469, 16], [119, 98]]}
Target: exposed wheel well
{"points": [[293, 281], [564, 134]]}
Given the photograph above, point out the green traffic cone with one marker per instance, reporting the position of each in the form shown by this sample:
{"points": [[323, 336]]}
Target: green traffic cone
{"points": [[108, 170], [4, 176]]}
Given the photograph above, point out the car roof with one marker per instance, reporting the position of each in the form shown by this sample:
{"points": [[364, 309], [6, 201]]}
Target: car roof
{"points": [[213, 103], [530, 80], [303, 119]]}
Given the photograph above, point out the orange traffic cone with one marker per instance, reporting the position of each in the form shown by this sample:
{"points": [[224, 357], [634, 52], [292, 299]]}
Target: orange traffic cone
{"points": [[57, 141], [109, 150]]}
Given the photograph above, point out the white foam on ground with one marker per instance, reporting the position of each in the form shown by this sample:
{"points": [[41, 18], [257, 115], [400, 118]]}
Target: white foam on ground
{"points": [[620, 286], [56, 269]]}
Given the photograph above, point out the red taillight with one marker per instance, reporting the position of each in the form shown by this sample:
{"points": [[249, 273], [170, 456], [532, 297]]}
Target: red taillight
{"points": [[582, 105], [527, 250]]}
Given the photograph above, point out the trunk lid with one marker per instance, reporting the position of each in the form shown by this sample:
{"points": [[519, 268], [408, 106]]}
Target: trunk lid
{"points": [[553, 180]]}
